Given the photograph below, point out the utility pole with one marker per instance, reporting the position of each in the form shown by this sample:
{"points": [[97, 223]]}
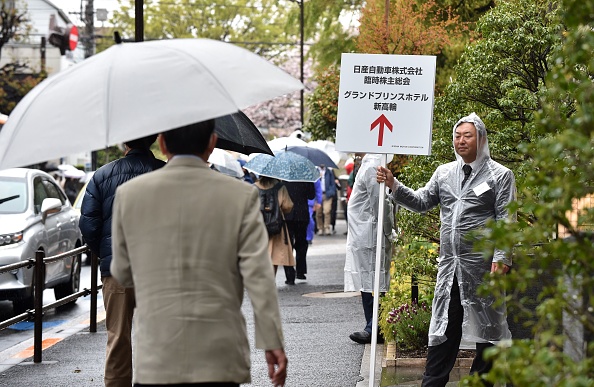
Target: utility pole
{"points": [[89, 29], [42, 50], [138, 20], [301, 20], [90, 51], [301, 33]]}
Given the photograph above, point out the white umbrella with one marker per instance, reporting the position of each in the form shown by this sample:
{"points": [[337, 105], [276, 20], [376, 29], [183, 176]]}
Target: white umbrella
{"points": [[282, 142], [71, 171], [132, 90], [225, 163]]}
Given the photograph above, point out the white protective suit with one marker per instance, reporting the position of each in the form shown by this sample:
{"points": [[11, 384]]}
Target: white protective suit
{"points": [[359, 267], [489, 189]]}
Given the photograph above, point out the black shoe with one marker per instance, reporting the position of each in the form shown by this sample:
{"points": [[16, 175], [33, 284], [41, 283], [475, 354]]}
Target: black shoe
{"points": [[301, 276], [290, 282], [362, 337]]}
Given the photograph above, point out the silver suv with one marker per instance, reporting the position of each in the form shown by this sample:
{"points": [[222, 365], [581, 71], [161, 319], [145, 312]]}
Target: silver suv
{"points": [[36, 215]]}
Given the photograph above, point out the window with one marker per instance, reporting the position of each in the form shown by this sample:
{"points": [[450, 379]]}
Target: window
{"points": [[53, 191], [38, 194], [13, 196]]}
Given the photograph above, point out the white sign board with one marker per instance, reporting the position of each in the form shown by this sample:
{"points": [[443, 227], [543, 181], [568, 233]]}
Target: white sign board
{"points": [[385, 104]]}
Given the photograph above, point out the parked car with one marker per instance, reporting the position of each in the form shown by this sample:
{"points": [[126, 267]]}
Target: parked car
{"points": [[77, 206], [36, 215]]}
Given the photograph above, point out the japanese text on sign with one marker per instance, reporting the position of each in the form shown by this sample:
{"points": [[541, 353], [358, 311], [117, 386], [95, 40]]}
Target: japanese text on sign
{"points": [[385, 103], [386, 96], [359, 69]]}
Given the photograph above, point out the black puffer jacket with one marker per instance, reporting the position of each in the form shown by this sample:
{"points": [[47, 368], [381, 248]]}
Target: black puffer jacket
{"points": [[97, 205]]}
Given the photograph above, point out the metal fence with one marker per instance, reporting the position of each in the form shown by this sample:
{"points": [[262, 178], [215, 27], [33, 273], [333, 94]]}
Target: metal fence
{"points": [[36, 314]]}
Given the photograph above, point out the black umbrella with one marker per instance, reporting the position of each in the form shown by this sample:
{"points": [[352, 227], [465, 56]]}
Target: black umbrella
{"points": [[238, 133], [315, 155]]}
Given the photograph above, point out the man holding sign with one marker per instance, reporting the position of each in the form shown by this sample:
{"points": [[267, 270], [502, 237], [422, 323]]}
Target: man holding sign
{"points": [[470, 191]]}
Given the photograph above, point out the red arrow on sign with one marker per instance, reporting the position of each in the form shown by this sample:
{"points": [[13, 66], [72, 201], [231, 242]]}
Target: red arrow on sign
{"points": [[381, 121]]}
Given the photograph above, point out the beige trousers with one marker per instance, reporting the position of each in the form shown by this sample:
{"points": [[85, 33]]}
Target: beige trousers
{"points": [[119, 305], [323, 216]]}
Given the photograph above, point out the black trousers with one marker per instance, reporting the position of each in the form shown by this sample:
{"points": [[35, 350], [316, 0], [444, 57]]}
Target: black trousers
{"points": [[367, 300], [298, 236], [442, 358]]}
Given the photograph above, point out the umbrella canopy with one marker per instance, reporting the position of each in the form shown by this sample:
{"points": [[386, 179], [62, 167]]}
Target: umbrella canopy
{"points": [[238, 133], [71, 171], [287, 166], [316, 156], [282, 142], [133, 90], [329, 148], [225, 163]]}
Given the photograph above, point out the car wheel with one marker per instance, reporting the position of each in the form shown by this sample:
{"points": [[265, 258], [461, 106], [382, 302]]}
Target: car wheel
{"points": [[73, 284], [26, 301], [21, 305]]}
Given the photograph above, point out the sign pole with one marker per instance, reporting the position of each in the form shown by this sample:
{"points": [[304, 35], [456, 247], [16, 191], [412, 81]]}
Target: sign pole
{"points": [[379, 249]]}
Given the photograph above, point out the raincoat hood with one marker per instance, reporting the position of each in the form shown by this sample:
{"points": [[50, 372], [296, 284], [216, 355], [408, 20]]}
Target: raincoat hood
{"points": [[482, 149]]}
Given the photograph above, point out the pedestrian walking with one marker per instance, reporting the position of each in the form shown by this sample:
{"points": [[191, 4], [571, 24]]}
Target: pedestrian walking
{"points": [[190, 240], [95, 225], [359, 268], [314, 205], [297, 223], [470, 191], [279, 245], [324, 213]]}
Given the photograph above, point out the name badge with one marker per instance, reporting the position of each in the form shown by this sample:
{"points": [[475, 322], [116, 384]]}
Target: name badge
{"points": [[481, 188]]}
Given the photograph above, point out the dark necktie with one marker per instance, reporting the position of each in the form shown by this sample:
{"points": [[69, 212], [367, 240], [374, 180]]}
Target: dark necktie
{"points": [[467, 171]]}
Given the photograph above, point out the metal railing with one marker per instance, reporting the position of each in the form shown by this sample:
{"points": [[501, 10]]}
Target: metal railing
{"points": [[39, 264]]}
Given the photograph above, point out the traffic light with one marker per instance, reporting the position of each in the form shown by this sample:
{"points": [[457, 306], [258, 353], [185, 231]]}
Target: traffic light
{"points": [[65, 39]]}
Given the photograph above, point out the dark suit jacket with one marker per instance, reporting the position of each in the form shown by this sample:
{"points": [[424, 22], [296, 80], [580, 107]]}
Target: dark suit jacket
{"points": [[300, 193]]}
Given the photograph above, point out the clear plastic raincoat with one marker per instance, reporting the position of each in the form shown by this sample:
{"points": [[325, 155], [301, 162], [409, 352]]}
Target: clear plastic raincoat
{"points": [[363, 206], [489, 189]]}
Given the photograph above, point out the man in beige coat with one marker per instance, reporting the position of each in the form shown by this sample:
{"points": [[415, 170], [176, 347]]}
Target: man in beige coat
{"points": [[189, 240]]}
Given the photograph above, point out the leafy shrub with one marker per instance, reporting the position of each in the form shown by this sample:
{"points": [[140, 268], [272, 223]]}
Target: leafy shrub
{"points": [[409, 325], [412, 258]]}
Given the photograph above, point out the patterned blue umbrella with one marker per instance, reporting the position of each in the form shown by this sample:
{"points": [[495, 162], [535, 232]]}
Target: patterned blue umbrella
{"points": [[287, 166]]}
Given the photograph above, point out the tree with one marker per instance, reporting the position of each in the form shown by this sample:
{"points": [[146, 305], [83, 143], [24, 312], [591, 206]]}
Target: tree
{"points": [[259, 24], [323, 105], [284, 113], [329, 28], [411, 30], [468, 10], [13, 22], [491, 80], [16, 81], [559, 173]]}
